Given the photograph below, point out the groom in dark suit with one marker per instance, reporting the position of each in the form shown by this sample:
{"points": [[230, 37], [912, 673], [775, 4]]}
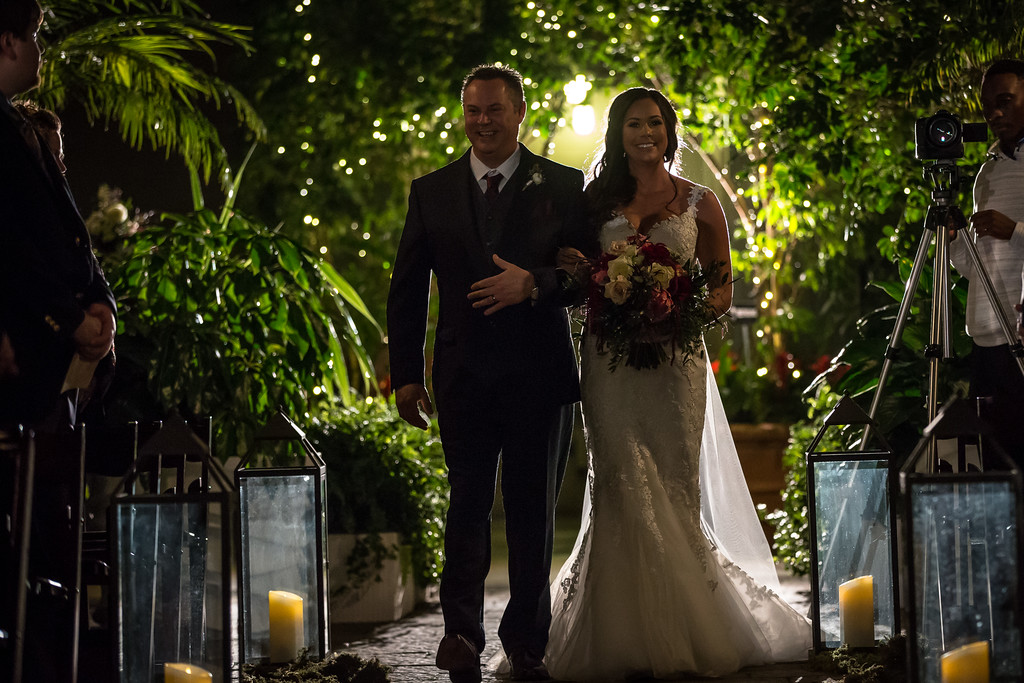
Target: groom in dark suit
{"points": [[504, 372]]}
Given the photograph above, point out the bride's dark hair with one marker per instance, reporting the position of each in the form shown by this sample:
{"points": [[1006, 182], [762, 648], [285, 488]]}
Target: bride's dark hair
{"points": [[612, 184]]}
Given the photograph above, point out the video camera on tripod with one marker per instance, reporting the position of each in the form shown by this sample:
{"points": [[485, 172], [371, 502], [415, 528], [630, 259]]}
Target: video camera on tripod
{"points": [[941, 136]]}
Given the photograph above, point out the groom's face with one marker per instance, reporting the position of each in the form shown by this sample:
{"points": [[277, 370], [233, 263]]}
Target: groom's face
{"points": [[492, 120]]}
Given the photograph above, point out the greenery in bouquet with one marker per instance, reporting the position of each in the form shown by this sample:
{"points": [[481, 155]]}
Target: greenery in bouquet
{"points": [[646, 306]]}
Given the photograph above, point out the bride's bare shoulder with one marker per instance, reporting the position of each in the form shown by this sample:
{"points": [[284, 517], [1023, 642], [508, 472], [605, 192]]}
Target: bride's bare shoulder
{"points": [[684, 188]]}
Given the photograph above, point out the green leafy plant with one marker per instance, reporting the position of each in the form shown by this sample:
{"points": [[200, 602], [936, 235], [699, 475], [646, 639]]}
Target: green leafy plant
{"points": [[901, 414], [220, 315], [138, 63], [384, 475]]}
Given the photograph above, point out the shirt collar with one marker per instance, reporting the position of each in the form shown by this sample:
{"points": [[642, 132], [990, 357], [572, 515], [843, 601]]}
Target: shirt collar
{"points": [[997, 152], [505, 168]]}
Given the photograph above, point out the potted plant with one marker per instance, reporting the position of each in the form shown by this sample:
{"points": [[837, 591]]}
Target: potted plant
{"points": [[386, 498]]}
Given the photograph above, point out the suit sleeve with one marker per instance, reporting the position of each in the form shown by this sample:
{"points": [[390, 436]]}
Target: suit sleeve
{"points": [[99, 290], [553, 284], [407, 299]]}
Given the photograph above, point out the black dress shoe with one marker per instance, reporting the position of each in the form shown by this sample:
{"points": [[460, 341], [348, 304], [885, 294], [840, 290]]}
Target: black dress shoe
{"points": [[459, 657], [527, 668]]}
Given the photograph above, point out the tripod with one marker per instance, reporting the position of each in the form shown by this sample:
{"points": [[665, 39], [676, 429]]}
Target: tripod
{"points": [[945, 177]]}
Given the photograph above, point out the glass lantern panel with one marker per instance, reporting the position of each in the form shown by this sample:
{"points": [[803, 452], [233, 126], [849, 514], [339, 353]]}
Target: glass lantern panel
{"points": [[966, 576], [854, 538], [279, 553], [171, 586]]}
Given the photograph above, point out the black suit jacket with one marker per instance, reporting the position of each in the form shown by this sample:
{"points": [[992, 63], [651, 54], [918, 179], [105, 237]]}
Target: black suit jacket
{"points": [[48, 275], [527, 345]]}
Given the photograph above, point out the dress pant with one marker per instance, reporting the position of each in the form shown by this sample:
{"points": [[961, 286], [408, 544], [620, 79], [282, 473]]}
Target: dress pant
{"points": [[997, 383], [483, 423]]}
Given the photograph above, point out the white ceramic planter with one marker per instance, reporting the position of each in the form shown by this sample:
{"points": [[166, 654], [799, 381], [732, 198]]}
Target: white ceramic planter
{"points": [[389, 599]]}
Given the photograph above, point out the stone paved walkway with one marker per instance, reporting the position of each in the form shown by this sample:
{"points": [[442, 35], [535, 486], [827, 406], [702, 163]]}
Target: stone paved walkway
{"points": [[408, 645]]}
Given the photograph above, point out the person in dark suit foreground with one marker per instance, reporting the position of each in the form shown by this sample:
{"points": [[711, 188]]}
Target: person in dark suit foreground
{"points": [[55, 305], [488, 226], [55, 300]]}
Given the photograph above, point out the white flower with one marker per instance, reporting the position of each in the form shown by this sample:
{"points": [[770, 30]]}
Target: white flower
{"points": [[621, 267], [536, 176], [116, 213], [662, 274], [618, 290]]}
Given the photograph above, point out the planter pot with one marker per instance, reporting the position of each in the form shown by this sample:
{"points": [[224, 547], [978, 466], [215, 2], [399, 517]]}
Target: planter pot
{"points": [[760, 448], [387, 597]]}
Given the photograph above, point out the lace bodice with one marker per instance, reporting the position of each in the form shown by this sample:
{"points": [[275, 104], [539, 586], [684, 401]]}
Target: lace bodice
{"points": [[678, 232]]}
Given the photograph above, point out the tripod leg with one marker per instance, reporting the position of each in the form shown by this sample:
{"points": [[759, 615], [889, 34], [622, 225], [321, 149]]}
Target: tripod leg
{"points": [[896, 339], [940, 341]]}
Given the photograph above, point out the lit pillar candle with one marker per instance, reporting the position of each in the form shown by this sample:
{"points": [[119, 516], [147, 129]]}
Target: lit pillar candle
{"points": [[967, 664], [857, 612], [286, 636], [185, 673]]}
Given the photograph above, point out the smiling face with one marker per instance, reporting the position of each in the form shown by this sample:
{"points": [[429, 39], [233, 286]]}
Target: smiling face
{"points": [[644, 133], [1002, 101], [492, 120]]}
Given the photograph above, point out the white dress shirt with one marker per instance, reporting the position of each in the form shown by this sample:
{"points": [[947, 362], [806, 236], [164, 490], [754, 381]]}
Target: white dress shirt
{"points": [[1000, 187], [506, 169]]}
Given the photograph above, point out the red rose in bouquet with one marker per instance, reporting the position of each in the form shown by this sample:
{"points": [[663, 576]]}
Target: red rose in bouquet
{"points": [[646, 306], [659, 306]]}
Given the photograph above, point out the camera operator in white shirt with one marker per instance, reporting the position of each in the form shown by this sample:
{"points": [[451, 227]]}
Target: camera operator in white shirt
{"points": [[998, 233]]}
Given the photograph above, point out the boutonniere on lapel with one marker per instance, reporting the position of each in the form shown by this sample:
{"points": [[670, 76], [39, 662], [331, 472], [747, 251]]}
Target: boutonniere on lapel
{"points": [[536, 177]]}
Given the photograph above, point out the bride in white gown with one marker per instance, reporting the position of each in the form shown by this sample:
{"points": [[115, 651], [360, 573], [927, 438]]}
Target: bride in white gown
{"points": [[671, 574]]}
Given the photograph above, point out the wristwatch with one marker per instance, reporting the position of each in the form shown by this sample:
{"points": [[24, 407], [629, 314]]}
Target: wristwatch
{"points": [[535, 294]]}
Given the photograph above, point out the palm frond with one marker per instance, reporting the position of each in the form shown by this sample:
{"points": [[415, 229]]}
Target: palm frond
{"points": [[141, 70]]}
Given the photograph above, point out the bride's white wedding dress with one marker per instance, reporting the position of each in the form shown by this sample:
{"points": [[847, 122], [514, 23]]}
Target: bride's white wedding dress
{"points": [[656, 586]]}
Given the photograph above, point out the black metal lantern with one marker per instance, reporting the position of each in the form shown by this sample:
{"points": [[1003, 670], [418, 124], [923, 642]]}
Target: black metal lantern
{"points": [[853, 545], [282, 486], [171, 529], [17, 466], [962, 544]]}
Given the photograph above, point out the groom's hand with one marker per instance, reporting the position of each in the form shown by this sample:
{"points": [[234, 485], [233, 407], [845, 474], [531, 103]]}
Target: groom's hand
{"points": [[508, 288], [409, 399]]}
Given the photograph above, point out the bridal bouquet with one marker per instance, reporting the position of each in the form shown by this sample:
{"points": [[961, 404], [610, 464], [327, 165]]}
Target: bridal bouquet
{"points": [[645, 306]]}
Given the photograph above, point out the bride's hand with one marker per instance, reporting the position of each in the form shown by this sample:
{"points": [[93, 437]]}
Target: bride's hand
{"points": [[570, 260]]}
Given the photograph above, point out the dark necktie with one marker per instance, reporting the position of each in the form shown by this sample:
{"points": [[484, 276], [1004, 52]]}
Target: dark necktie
{"points": [[491, 193]]}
